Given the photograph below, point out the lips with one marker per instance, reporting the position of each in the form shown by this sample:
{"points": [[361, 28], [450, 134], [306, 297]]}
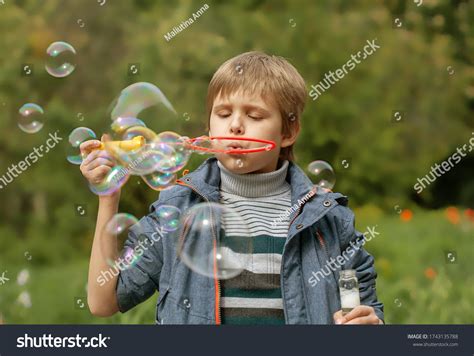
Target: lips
{"points": [[235, 146]]}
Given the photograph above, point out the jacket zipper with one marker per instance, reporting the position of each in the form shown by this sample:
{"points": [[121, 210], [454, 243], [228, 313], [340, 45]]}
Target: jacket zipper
{"points": [[321, 242], [299, 208], [217, 283]]}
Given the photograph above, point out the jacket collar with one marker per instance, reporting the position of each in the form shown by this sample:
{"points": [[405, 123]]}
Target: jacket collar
{"points": [[307, 204]]}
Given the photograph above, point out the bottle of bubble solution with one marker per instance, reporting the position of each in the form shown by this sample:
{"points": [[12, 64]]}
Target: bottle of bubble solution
{"points": [[348, 290]]}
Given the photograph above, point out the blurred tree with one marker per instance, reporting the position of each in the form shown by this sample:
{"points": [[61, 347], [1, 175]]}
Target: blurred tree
{"points": [[351, 120]]}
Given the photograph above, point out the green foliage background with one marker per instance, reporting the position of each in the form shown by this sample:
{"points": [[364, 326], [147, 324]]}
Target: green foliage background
{"points": [[351, 121]]}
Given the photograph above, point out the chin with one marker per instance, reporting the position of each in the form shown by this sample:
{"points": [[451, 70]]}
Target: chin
{"points": [[240, 164]]}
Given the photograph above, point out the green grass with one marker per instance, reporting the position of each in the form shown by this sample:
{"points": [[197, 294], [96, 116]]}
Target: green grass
{"points": [[54, 292], [403, 252]]}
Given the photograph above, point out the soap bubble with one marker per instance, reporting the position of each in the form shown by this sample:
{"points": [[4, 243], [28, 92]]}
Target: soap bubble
{"points": [[140, 158], [132, 151], [135, 131], [60, 58], [159, 181], [149, 158], [323, 174], [76, 137], [201, 145], [168, 216], [136, 146], [137, 97], [181, 153], [118, 228], [168, 156], [121, 124], [213, 144], [138, 106], [146, 102], [214, 241], [145, 158], [31, 118], [114, 180]]}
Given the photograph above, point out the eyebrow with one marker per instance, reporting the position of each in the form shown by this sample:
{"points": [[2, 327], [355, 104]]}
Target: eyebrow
{"points": [[221, 106], [246, 107]]}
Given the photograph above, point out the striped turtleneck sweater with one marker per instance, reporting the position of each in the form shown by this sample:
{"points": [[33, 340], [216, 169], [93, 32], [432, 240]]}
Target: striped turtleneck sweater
{"points": [[263, 200]]}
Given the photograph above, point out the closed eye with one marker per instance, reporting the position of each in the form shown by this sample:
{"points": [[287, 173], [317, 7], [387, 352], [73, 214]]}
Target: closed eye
{"points": [[223, 115]]}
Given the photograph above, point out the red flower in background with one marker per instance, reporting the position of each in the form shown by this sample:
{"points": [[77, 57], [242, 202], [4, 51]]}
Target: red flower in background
{"points": [[453, 216], [430, 273], [469, 213], [406, 215]]}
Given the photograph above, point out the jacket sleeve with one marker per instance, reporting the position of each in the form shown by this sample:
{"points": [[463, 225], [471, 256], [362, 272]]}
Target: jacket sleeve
{"points": [[139, 280], [352, 242]]}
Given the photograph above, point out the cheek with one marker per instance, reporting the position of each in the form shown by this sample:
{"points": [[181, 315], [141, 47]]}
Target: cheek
{"points": [[213, 125], [271, 131], [274, 126]]}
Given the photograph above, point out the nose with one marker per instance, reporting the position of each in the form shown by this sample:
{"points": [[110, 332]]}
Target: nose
{"points": [[236, 125]]}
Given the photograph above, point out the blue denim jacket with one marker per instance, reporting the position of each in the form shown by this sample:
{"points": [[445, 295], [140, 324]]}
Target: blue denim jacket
{"points": [[322, 227]]}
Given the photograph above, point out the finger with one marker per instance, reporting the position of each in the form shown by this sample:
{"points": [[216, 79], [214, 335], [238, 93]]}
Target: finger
{"points": [[87, 146], [106, 138], [359, 311], [98, 174], [99, 162], [338, 317], [97, 154], [90, 157], [370, 319], [101, 155]]}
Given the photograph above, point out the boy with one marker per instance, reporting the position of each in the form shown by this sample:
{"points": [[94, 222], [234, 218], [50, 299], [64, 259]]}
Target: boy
{"points": [[259, 96]]}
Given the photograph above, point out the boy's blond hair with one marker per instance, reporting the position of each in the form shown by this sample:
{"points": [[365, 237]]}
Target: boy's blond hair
{"points": [[272, 77]]}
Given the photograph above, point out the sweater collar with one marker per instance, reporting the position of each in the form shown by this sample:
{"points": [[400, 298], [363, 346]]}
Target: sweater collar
{"points": [[254, 185]]}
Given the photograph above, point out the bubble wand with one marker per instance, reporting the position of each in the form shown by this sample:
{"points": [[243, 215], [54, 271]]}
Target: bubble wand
{"points": [[191, 143]]}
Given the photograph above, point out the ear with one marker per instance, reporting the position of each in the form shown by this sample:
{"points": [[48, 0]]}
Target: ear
{"points": [[290, 138]]}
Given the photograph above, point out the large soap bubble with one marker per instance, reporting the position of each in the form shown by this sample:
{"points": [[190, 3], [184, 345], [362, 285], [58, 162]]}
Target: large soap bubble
{"points": [[113, 181], [159, 181], [143, 101], [141, 110], [214, 241], [117, 230]]}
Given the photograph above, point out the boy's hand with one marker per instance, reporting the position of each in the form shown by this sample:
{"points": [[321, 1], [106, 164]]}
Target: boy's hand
{"points": [[97, 163], [361, 314]]}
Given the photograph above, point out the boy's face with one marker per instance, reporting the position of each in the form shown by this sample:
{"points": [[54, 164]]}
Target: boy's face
{"points": [[244, 115]]}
